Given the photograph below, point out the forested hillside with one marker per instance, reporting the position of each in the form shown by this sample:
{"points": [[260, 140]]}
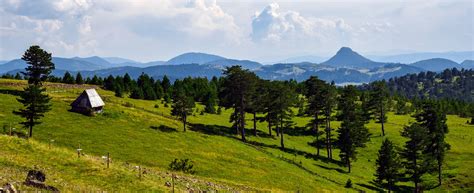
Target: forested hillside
{"points": [[449, 84]]}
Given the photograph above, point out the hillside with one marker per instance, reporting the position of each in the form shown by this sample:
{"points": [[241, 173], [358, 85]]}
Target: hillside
{"points": [[449, 84], [436, 64], [134, 131]]}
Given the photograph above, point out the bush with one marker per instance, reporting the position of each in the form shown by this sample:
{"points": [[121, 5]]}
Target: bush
{"points": [[157, 106], [348, 184], [183, 165]]}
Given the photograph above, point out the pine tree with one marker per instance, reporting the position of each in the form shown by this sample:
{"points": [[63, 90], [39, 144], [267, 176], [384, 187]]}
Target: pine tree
{"points": [[18, 76], [166, 85], [236, 92], [283, 102], [118, 91], [137, 93], [68, 78], [414, 161], [352, 133], [182, 105], [388, 165], [35, 103], [39, 65], [434, 120], [329, 95], [316, 102], [109, 83], [378, 100], [79, 79]]}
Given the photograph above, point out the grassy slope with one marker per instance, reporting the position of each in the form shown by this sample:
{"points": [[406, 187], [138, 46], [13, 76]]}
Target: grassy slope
{"points": [[126, 132]]}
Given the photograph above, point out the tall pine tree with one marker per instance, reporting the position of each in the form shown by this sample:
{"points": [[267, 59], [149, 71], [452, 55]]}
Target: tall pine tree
{"points": [[35, 103], [352, 133], [182, 106], [434, 120], [415, 162], [388, 165], [236, 93]]}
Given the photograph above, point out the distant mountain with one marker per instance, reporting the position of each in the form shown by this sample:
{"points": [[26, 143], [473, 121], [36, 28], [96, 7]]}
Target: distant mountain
{"points": [[436, 64], [414, 57], [467, 64], [247, 64], [347, 58], [308, 58], [96, 60], [118, 60], [193, 58], [346, 67], [60, 64]]}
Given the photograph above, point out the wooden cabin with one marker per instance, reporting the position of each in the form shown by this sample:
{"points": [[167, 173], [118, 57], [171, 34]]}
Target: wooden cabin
{"points": [[89, 102]]}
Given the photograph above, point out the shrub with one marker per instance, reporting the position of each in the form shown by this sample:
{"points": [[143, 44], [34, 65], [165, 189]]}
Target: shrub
{"points": [[183, 165], [157, 106], [348, 184]]}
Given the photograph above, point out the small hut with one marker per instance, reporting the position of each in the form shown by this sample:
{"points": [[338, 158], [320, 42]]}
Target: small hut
{"points": [[89, 102]]}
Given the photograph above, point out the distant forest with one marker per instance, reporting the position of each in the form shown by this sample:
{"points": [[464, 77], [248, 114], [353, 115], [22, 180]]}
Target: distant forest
{"points": [[449, 84]]}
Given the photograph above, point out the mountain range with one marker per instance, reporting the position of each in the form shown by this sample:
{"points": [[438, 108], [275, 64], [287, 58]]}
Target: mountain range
{"points": [[345, 67]]}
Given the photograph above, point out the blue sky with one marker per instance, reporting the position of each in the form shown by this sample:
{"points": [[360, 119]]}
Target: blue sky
{"points": [[146, 30]]}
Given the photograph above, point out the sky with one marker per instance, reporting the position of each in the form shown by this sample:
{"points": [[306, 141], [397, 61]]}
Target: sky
{"points": [[148, 30]]}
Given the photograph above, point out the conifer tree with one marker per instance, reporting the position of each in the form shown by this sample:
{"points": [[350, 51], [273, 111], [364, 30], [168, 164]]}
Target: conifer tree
{"points": [[414, 161], [316, 103], [35, 103], [182, 105], [352, 133], [236, 93], [434, 120], [79, 79], [68, 78], [378, 100], [329, 95], [388, 165]]}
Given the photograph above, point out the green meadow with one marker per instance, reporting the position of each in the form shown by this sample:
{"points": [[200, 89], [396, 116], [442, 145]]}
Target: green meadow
{"points": [[143, 133]]}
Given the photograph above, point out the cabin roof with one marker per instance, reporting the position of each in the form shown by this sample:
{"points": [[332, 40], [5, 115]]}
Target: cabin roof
{"points": [[92, 99]]}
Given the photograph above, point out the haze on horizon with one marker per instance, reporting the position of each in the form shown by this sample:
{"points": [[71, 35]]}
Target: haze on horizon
{"points": [[262, 30]]}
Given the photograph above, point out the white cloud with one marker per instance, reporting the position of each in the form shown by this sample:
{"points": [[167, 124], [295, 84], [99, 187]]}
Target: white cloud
{"points": [[274, 25]]}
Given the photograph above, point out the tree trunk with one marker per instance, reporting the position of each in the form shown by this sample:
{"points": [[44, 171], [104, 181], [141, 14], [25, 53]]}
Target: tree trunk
{"points": [[328, 138], [382, 119], [330, 142], [349, 164], [184, 123], [242, 119], [31, 128], [281, 135], [439, 173], [316, 128], [278, 129], [269, 127], [31, 131], [255, 123]]}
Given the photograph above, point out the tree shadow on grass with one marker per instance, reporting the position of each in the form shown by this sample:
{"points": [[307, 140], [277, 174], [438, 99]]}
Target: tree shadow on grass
{"points": [[224, 131], [164, 128], [376, 187], [11, 92], [299, 131], [296, 152], [332, 168]]}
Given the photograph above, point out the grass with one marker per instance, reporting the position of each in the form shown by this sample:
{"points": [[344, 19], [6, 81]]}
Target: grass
{"points": [[134, 131]]}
